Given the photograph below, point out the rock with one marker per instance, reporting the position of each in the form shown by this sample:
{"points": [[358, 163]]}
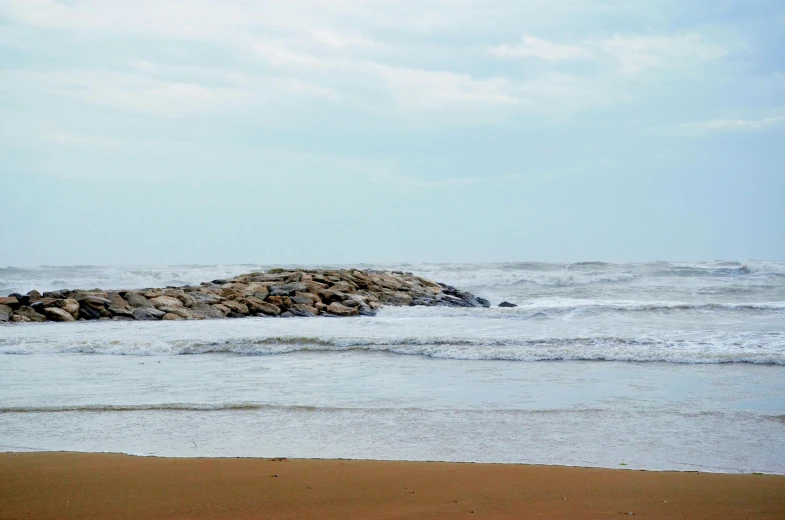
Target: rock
{"points": [[337, 309], [69, 305], [147, 313], [507, 304], [34, 295], [366, 310], [124, 312], [305, 298], [18, 318], [56, 314], [282, 302], [96, 302], [207, 311], [223, 309], [116, 300], [29, 313], [287, 289], [122, 318], [399, 298], [10, 301], [5, 313], [87, 312], [57, 295], [305, 310], [165, 301], [182, 312], [256, 306], [137, 301], [205, 298], [236, 309], [171, 317]]}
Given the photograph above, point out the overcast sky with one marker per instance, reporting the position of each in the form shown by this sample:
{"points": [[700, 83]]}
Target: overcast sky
{"points": [[338, 131]]}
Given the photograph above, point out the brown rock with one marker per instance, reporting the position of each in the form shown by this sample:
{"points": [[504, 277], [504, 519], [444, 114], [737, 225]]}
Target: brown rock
{"points": [[137, 301], [236, 308], [165, 301], [223, 309], [124, 312], [313, 311], [182, 312], [341, 310], [5, 313], [10, 301], [29, 313], [19, 318], [171, 317], [282, 302], [116, 299], [34, 295], [206, 311], [69, 305], [55, 314]]}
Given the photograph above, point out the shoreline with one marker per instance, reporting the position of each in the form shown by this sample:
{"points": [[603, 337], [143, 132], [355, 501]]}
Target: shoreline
{"points": [[104, 485], [625, 467]]}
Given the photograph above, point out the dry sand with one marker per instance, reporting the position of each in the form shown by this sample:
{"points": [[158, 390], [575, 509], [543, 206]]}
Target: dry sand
{"points": [[106, 487]]}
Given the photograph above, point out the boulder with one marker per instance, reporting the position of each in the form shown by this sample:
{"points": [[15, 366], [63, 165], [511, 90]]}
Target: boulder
{"points": [[182, 312], [287, 289], [165, 301], [137, 301], [205, 311], [115, 299], [10, 301], [236, 309], [223, 309], [124, 312], [304, 310], [29, 313], [96, 302], [34, 295], [57, 295], [305, 298], [18, 318], [56, 314], [5, 313], [87, 312], [282, 302], [147, 314], [171, 317], [507, 304], [69, 305], [337, 309]]}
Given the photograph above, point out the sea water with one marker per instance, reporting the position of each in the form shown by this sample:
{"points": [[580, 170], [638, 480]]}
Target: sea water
{"points": [[655, 366]]}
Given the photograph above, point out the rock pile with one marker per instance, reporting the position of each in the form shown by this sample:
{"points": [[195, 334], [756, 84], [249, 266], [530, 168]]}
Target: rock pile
{"points": [[275, 293]]}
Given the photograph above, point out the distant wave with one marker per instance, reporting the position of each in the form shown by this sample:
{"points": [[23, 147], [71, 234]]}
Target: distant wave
{"points": [[130, 408], [739, 348]]}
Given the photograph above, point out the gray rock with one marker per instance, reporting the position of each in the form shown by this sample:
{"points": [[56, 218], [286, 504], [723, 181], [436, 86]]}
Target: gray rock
{"points": [[337, 309], [124, 312], [87, 312], [287, 289], [55, 314], [147, 314], [137, 301], [29, 313], [507, 304], [207, 311]]}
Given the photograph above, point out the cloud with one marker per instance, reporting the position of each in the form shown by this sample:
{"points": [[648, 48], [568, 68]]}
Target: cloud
{"points": [[734, 124], [531, 46], [633, 53], [637, 53]]}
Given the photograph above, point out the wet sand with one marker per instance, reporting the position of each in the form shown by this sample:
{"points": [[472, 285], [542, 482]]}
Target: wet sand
{"points": [[107, 486]]}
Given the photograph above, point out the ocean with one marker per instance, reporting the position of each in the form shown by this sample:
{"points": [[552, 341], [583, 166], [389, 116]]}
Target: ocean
{"points": [[660, 366]]}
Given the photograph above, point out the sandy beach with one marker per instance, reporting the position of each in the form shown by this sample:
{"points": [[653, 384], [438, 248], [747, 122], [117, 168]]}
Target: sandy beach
{"points": [[103, 486]]}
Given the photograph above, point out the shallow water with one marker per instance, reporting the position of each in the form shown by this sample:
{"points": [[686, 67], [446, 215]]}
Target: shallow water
{"points": [[655, 366]]}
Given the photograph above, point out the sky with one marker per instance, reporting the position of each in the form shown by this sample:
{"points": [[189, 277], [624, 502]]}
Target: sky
{"points": [[340, 131]]}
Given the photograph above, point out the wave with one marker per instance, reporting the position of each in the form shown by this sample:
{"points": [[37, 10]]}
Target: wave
{"points": [[132, 408], [721, 348]]}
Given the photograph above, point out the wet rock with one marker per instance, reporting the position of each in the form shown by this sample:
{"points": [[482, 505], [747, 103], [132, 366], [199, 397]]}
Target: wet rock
{"points": [[5, 313], [57, 295], [165, 301], [86, 312], [29, 313], [171, 317], [337, 309], [236, 309], [282, 302], [18, 318], [147, 313], [137, 301], [10, 301], [207, 311], [305, 310], [507, 304], [69, 305], [56, 314], [287, 289], [124, 312]]}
